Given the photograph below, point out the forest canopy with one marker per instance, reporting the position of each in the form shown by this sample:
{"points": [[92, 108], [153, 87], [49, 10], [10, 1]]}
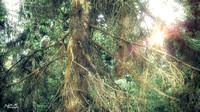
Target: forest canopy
{"points": [[100, 55]]}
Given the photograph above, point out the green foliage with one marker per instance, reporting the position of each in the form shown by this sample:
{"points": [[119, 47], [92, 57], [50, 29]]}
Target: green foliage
{"points": [[22, 56], [110, 44], [38, 90], [3, 18], [193, 43]]}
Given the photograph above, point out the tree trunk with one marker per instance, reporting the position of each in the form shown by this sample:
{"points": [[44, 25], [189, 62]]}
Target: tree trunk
{"points": [[78, 60], [123, 48]]}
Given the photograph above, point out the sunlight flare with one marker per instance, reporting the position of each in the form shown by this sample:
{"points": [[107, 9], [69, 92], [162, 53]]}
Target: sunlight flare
{"points": [[157, 36], [169, 11]]}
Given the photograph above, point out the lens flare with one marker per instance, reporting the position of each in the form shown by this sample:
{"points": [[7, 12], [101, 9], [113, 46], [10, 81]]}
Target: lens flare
{"points": [[157, 37]]}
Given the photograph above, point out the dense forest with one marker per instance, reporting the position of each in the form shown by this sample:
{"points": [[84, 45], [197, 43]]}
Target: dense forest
{"points": [[99, 56]]}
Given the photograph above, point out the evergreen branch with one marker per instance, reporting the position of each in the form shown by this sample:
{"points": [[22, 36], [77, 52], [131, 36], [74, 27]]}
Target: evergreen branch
{"points": [[134, 75], [31, 55], [56, 96], [34, 72], [151, 48]]}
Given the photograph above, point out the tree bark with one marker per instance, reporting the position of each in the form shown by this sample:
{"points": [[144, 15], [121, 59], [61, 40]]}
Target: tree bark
{"points": [[78, 63], [123, 48]]}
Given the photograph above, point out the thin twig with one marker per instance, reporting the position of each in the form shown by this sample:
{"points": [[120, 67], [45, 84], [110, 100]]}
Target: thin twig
{"points": [[55, 97]]}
